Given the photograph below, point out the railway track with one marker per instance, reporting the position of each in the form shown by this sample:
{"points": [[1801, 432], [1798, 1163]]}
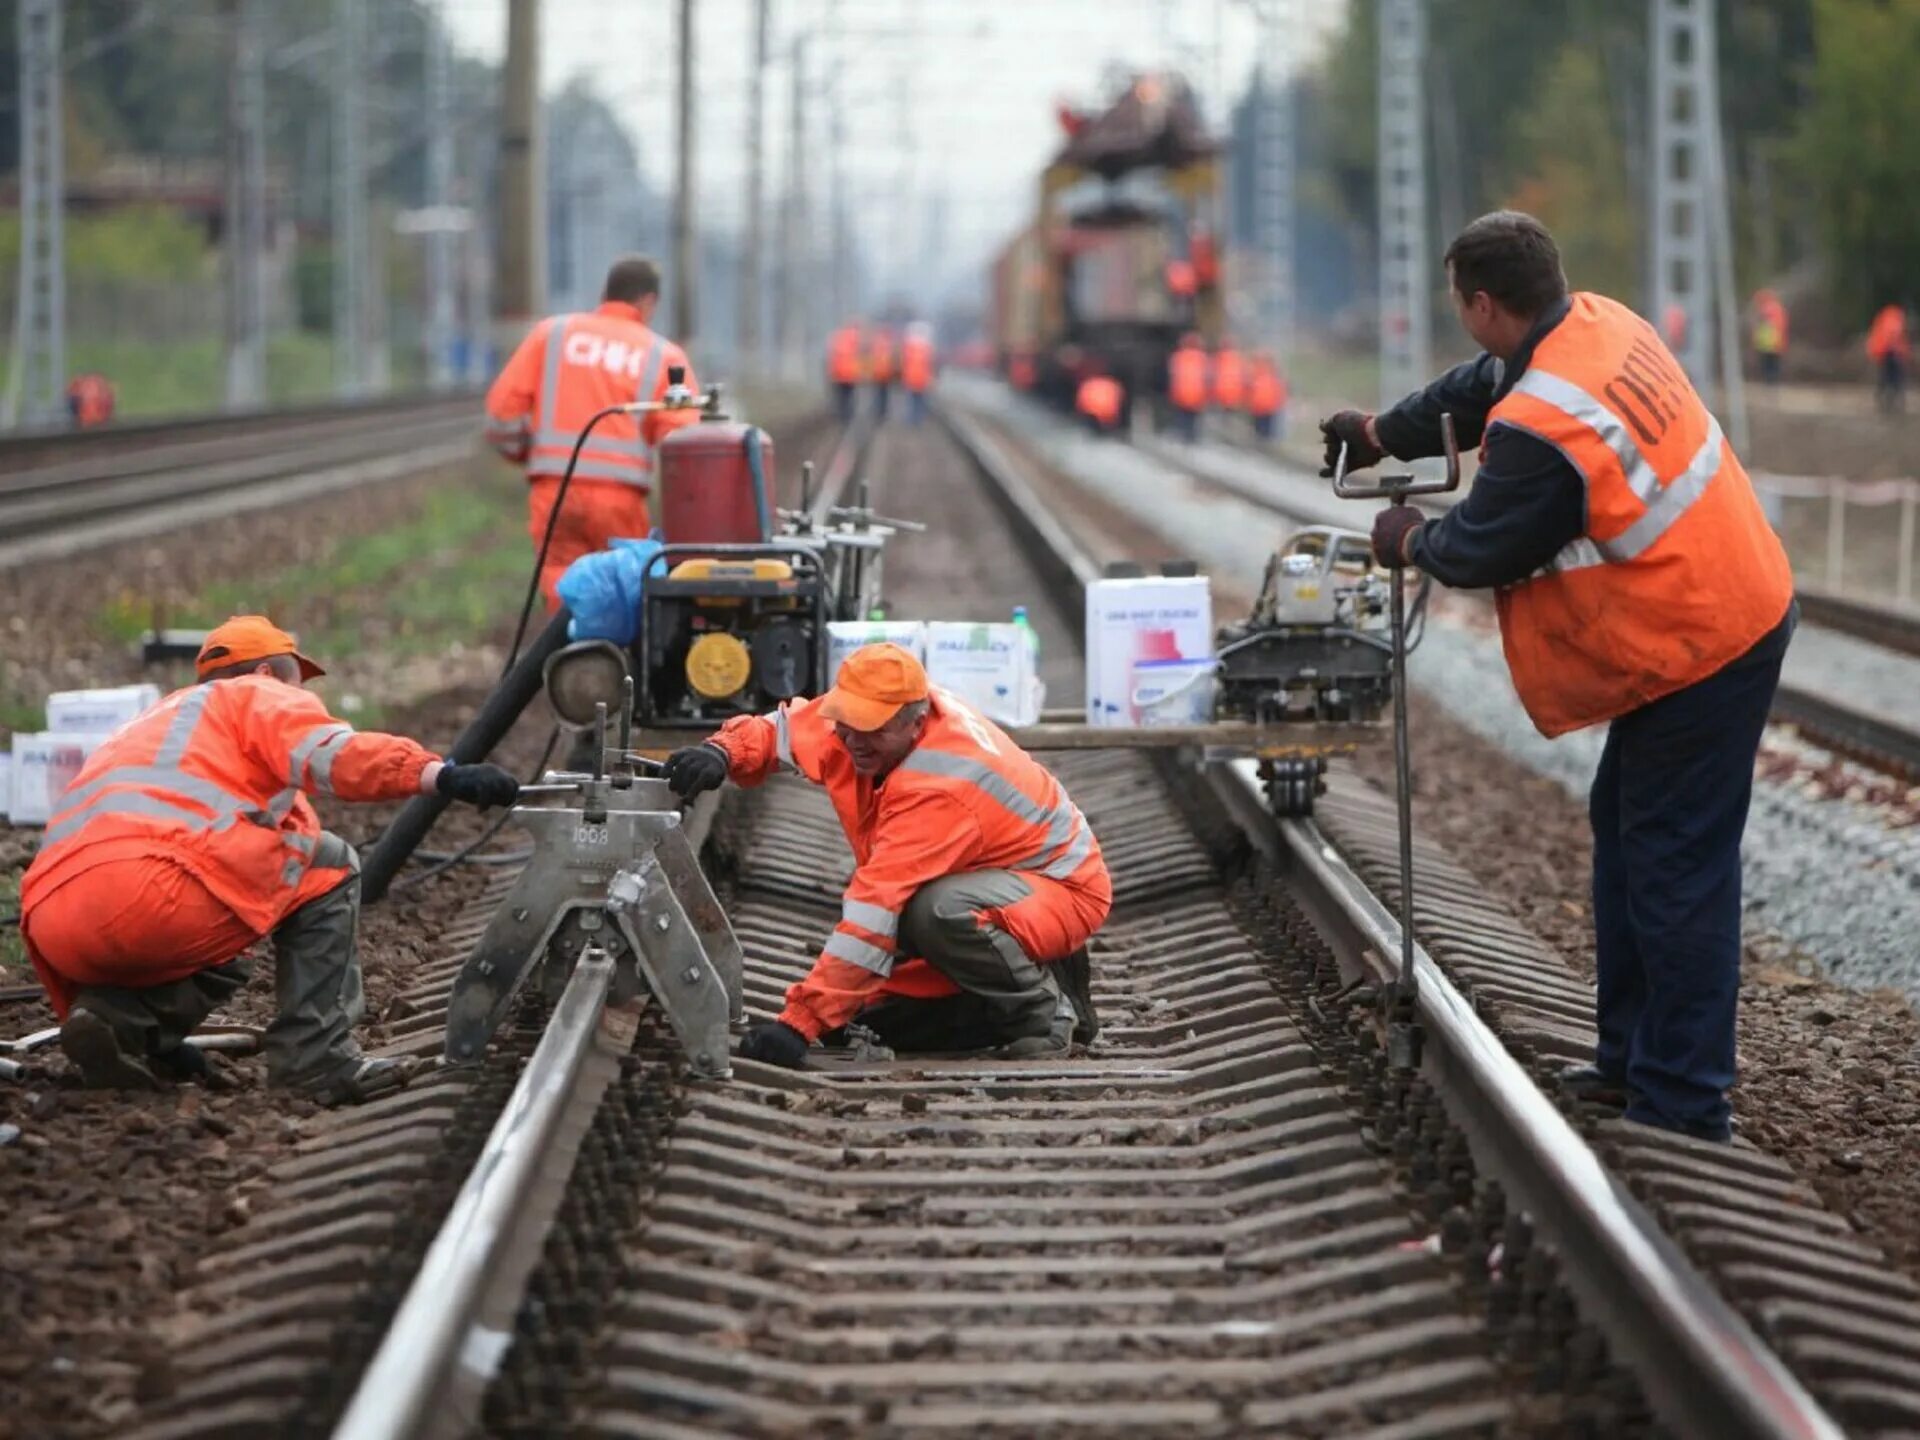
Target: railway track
{"points": [[1231, 1216]]}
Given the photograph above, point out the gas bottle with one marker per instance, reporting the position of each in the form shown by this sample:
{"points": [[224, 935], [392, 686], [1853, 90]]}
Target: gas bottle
{"points": [[715, 484]]}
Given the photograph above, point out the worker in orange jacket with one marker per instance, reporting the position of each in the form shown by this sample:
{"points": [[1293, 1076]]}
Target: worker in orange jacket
{"points": [[90, 400], [1229, 378], [1266, 396], [845, 367], [1769, 333], [568, 369], [917, 370], [978, 881], [1100, 402], [186, 838], [1891, 350], [883, 368], [1188, 385]]}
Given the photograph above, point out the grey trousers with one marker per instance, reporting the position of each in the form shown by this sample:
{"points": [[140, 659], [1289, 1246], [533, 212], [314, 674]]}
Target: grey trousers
{"points": [[317, 992], [1005, 994]]}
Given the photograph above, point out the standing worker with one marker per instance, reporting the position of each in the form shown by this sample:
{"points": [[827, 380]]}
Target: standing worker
{"points": [[1637, 582], [844, 367], [1267, 396], [1100, 402], [883, 363], [568, 369], [1187, 386], [1229, 380], [978, 881], [90, 400], [1769, 334], [186, 838], [917, 369], [1892, 352]]}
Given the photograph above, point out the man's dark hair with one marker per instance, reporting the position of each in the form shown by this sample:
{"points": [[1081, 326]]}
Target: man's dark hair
{"points": [[632, 278], [1511, 257]]}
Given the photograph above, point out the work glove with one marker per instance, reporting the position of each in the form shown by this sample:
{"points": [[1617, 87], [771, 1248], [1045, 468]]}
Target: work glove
{"points": [[776, 1043], [1393, 527], [1349, 428], [481, 785], [696, 768]]}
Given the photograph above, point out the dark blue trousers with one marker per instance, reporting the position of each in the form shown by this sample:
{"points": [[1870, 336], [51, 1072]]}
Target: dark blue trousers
{"points": [[1669, 803]]}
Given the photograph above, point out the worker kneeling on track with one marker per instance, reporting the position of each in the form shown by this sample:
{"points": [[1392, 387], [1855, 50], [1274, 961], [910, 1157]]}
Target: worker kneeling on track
{"points": [[978, 882], [186, 838]]}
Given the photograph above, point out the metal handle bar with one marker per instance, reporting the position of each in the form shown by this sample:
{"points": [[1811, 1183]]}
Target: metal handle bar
{"points": [[1398, 487]]}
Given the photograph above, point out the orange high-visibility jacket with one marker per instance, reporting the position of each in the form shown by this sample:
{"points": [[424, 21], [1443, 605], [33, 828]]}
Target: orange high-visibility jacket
{"points": [[1229, 380], [1187, 378], [880, 358], [843, 356], [1266, 389], [966, 798], [1100, 398], [1678, 571], [216, 777], [568, 369], [1888, 335], [916, 364]]}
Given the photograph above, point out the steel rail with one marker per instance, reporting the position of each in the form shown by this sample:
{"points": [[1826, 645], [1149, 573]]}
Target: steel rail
{"points": [[1891, 627]]}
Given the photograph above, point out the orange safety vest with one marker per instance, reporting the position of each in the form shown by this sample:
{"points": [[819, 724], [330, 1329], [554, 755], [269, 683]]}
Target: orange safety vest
{"points": [[843, 356], [216, 777], [1229, 380], [1266, 391], [92, 400], [1099, 397], [566, 371], [1187, 378], [1770, 323], [880, 362], [966, 798], [1677, 573], [916, 364], [1889, 334]]}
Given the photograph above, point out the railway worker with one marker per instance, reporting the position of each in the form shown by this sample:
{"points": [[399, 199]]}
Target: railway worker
{"points": [[1100, 402], [1188, 386], [568, 369], [917, 367], [1267, 396], [90, 400], [978, 881], [1229, 378], [1769, 334], [883, 368], [186, 838], [1891, 351], [845, 365], [1637, 583]]}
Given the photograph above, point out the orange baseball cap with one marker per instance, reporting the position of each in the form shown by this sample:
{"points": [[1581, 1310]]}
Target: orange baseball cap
{"points": [[249, 637], [874, 682]]}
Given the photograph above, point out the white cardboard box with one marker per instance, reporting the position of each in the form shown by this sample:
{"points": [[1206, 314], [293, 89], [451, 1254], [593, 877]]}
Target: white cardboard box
{"points": [[846, 636], [990, 666], [98, 712], [1153, 618], [43, 767], [6, 784]]}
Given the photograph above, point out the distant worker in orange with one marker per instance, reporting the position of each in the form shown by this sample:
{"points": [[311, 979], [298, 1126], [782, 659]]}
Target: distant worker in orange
{"points": [[90, 400], [845, 367], [917, 369], [1188, 386], [1100, 401], [883, 368], [1769, 334], [977, 881], [1891, 349], [1673, 326], [568, 369], [1267, 396], [1229, 378], [186, 838]]}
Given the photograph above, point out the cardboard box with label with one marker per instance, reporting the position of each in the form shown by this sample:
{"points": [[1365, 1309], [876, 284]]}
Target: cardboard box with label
{"points": [[44, 765], [1152, 620], [98, 712], [846, 636], [990, 666]]}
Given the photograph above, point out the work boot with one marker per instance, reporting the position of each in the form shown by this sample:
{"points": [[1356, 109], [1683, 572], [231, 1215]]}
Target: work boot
{"points": [[1591, 1086], [1057, 1042], [357, 1082], [1076, 979], [93, 1046]]}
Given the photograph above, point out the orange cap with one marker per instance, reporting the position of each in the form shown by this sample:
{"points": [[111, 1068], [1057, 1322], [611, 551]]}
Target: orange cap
{"points": [[874, 682], [249, 637]]}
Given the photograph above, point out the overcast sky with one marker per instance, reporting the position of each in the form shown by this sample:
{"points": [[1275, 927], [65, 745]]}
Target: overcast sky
{"points": [[953, 98]]}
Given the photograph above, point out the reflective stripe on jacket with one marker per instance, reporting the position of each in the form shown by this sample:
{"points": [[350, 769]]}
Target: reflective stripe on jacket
{"points": [[1187, 378], [569, 369], [966, 798], [216, 777], [1677, 572]]}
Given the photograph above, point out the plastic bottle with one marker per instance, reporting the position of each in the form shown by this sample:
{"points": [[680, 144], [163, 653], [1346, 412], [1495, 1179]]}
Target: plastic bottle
{"points": [[1033, 635]]}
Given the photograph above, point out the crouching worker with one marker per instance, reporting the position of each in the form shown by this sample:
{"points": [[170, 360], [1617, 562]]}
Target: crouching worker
{"points": [[977, 881], [187, 837]]}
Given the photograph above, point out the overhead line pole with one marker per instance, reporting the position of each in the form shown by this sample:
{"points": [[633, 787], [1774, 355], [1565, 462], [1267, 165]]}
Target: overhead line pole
{"points": [[1406, 319], [36, 380], [440, 240], [751, 272], [520, 291], [245, 222], [683, 198], [350, 233], [795, 247]]}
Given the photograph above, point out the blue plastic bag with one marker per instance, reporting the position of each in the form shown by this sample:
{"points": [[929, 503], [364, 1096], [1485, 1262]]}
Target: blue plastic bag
{"points": [[603, 591]]}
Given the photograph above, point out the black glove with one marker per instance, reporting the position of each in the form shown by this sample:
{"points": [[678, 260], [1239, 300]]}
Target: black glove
{"points": [[481, 785], [1349, 428], [1391, 527], [696, 768], [775, 1042]]}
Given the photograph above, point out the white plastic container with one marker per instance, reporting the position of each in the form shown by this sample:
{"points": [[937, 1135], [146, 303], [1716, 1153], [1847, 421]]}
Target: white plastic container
{"points": [[1173, 692], [43, 767], [990, 666], [1151, 620], [6, 784], [98, 712], [846, 636]]}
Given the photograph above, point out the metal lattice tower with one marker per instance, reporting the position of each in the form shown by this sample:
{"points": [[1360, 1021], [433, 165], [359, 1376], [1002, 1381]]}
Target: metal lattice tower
{"points": [[1685, 102], [351, 262], [36, 381], [246, 217], [440, 240], [1406, 320], [1273, 165], [751, 287]]}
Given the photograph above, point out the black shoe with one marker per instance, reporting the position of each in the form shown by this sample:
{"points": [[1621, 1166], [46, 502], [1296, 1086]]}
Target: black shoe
{"points": [[92, 1045], [1589, 1085], [1076, 978], [182, 1062], [358, 1082]]}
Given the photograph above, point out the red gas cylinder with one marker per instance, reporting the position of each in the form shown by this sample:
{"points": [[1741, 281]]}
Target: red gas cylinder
{"points": [[714, 482]]}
